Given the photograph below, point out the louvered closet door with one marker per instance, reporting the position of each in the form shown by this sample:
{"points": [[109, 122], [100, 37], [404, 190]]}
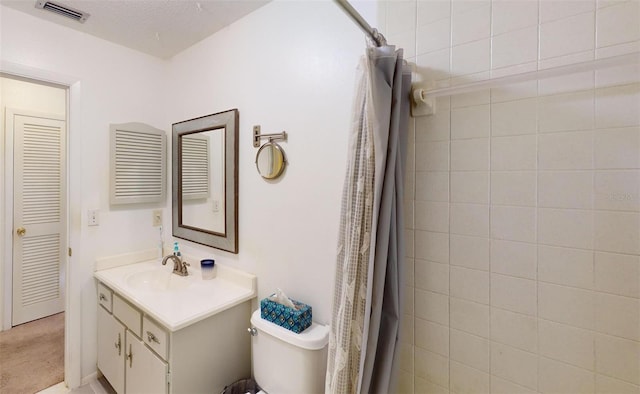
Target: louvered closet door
{"points": [[39, 217]]}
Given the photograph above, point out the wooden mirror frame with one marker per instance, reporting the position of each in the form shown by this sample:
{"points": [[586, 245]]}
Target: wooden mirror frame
{"points": [[229, 239]]}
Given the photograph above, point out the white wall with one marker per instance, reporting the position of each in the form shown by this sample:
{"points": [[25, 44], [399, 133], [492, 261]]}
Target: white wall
{"points": [[114, 85], [523, 201], [287, 66], [26, 96]]}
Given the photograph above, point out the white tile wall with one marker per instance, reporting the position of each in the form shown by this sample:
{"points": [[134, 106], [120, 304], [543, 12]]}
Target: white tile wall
{"points": [[617, 190], [470, 187], [557, 9], [557, 377], [515, 365], [513, 223], [470, 317], [470, 219], [501, 386], [470, 252], [617, 274], [566, 150], [514, 258], [469, 284], [471, 25], [514, 188], [524, 219], [565, 189], [514, 329], [468, 380], [567, 227], [568, 344], [566, 305], [434, 36], [566, 266], [513, 294], [470, 350], [432, 276], [617, 148], [471, 58], [470, 122], [513, 15], [515, 47], [618, 24], [577, 34], [432, 367], [617, 232], [514, 117], [573, 111], [618, 106], [513, 153], [470, 155], [606, 384], [618, 315], [431, 306], [432, 336], [618, 358]]}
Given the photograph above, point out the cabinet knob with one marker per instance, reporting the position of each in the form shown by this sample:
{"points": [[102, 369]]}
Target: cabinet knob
{"points": [[130, 357], [152, 338], [103, 297], [21, 231], [119, 345]]}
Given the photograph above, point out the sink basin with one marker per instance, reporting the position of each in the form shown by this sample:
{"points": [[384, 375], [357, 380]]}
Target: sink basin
{"points": [[157, 279]]}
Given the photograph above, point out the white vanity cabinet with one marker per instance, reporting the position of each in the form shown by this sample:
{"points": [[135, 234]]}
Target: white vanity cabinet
{"points": [[136, 354], [111, 349], [123, 358]]}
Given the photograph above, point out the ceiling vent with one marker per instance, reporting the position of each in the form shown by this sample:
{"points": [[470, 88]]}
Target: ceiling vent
{"points": [[62, 10]]}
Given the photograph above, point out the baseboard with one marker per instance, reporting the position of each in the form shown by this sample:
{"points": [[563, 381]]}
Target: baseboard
{"points": [[89, 378]]}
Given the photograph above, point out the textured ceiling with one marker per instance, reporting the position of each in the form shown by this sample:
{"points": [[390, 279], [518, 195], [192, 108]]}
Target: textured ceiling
{"points": [[160, 28]]}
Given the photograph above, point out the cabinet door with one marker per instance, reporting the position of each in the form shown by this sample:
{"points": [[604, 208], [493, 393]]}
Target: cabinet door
{"points": [[146, 373], [111, 349]]}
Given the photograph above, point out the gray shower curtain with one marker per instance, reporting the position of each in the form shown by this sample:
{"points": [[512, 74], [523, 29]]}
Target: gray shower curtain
{"points": [[363, 341]]}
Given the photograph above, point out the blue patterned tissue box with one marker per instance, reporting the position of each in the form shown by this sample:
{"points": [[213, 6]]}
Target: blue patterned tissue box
{"points": [[296, 320]]}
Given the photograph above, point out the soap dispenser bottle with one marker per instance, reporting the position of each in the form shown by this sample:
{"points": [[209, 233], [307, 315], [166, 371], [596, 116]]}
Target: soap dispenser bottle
{"points": [[176, 250]]}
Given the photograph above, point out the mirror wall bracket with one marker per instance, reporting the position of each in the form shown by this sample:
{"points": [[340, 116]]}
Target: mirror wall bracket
{"points": [[257, 136]]}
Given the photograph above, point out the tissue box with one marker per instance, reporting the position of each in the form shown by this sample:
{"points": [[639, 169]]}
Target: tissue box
{"points": [[296, 320]]}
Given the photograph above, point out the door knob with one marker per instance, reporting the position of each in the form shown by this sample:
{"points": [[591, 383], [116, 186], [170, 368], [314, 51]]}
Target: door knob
{"points": [[21, 231]]}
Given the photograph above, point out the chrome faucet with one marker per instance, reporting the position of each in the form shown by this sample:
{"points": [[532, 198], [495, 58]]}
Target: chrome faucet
{"points": [[179, 266]]}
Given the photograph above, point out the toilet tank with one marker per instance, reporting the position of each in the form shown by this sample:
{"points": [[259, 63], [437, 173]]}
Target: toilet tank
{"points": [[285, 362]]}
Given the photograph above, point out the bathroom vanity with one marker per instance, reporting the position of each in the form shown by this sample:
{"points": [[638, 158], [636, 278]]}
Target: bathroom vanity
{"points": [[162, 333]]}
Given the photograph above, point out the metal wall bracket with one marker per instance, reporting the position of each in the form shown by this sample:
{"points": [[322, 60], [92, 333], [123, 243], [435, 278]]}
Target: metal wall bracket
{"points": [[272, 137]]}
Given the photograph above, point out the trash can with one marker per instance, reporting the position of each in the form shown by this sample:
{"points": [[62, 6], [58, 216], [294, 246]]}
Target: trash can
{"points": [[242, 386]]}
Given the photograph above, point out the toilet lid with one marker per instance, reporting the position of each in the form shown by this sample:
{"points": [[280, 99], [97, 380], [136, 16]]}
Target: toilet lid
{"points": [[313, 338]]}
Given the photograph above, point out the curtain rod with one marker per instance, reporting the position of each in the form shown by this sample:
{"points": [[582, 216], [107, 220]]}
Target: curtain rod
{"points": [[362, 23], [591, 65]]}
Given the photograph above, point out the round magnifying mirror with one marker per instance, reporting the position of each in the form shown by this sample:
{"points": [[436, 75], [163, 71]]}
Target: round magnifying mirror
{"points": [[270, 160]]}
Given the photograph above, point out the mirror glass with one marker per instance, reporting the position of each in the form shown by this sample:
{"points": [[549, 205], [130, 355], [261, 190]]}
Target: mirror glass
{"points": [[270, 160], [205, 180], [202, 163]]}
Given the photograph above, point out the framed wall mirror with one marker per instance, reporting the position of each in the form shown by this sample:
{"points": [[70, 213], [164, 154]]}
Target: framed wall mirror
{"points": [[205, 180]]}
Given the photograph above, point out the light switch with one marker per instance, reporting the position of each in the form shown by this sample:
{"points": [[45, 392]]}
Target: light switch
{"points": [[157, 217]]}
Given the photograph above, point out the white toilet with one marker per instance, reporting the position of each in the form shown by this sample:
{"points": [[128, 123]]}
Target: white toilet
{"points": [[285, 362]]}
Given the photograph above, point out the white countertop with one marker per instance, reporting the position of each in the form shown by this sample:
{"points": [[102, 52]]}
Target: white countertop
{"points": [[176, 309]]}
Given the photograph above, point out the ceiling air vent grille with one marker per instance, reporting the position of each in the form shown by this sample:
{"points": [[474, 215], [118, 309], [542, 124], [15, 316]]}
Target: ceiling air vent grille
{"points": [[62, 10]]}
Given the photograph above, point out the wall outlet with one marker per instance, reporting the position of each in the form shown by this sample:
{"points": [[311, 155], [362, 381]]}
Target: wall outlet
{"points": [[157, 217], [216, 205], [93, 218]]}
